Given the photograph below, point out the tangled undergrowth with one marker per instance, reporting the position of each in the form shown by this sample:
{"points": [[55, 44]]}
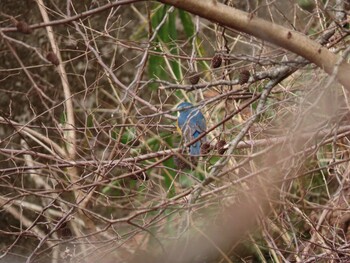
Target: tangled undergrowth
{"points": [[94, 169]]}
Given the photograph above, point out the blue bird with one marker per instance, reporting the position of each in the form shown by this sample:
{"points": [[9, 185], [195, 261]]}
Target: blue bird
{"points": [[191, 123]]}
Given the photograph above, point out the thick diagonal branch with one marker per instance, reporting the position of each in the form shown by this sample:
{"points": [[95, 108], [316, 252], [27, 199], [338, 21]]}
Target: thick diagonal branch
{"points": [[283, 37]]}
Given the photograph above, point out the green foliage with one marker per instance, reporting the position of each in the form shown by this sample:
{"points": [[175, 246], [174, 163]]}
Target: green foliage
{"points": [[111, 190], [169, 177], [166, 40], [63, 118], [187, 23], [307, 5], [129, 135]]}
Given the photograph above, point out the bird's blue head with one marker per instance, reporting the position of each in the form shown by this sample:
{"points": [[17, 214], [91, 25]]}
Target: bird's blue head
{"points": [[183, 105], [184, 110]]}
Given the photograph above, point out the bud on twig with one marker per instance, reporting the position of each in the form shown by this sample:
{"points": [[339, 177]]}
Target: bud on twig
{"points": [[205, 148], [23, 27], [193, 77], [52, 58], [243, 76], [216, 61], [220, 146]]}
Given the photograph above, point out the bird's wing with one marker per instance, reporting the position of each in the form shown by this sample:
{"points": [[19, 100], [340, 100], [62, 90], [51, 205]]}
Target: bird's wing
{"points": [[193, 126], [200, 125]]}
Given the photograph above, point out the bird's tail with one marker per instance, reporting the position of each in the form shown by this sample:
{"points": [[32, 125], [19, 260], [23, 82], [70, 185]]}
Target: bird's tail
{"points": [[195, 149]]}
